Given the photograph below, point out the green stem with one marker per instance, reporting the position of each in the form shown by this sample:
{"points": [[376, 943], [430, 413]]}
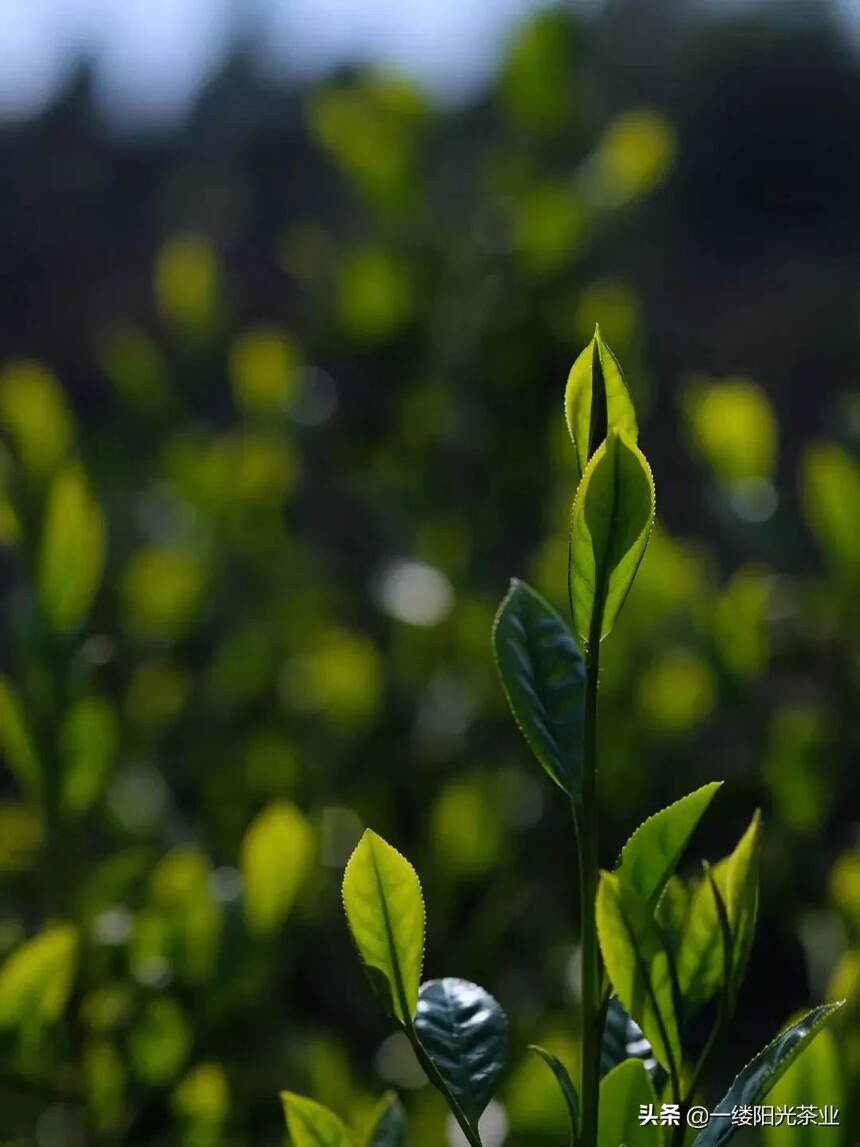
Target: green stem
{"points": [[431, 1071], [588, 837]]}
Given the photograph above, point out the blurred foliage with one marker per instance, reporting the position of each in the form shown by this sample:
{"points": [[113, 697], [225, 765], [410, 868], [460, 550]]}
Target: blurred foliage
{"points": [[280, 412]]}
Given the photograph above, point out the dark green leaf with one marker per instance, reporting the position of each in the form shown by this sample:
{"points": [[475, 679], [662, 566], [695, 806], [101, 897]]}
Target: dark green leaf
{"points": [[815, 1076], [622, 1092], [465, 1033], [652, 853], [611, 521], [763, 1072], [568, 1088], [542, 674], [623, 1039]]}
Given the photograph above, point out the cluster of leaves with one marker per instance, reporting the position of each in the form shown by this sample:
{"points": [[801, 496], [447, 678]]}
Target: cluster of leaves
{"points": [[667, 948]]}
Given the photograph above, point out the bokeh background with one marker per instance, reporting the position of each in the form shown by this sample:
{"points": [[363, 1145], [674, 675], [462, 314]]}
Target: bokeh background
{"points": [[288, 296]]}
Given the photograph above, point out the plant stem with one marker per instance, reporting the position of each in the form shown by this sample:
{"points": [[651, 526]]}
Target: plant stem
{"points": [[430, 1070], [588, 837]]}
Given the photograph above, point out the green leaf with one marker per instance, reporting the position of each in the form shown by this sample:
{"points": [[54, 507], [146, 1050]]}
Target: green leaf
{"points": [[627, 1087], [543, 677], [88, 739], [35, 981], [74, 541], [652, 853], [814, 1077], [611, 520], [763, 1072], [275, 859], [740, 893], [387, 1123], [465, 1033], [16, 741], [385, 912], [312, 1125], [568, 1088], [596, 401], [637, 962], [623, 1039]]}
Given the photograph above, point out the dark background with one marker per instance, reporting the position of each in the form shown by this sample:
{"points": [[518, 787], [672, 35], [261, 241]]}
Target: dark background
{"points": [[310, 337]]}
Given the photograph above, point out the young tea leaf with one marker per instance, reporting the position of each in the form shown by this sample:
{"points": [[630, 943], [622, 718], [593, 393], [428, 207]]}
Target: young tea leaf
{"points": [[637, 961], [622, 1092], [596, 401], [387, 1123], [763, 1072], [611, 520], [568, 1088], [543, 677], [652, 853], [696, 939], [465, 1033], [312, 1125], [385, 911], [740, 893]]}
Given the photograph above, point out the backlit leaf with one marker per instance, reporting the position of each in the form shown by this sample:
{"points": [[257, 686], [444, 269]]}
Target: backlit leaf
{"points": [[543, 677], [637, 962], [88, 740], [740, 892], [385, 911], [596, 401], [312, 1125], [35, 981], [275, 858], [763, 1072], [465, 1033], [627, 1087], [72, 556], [568, 1087], [612, 516], [160, 1041], [652, 853]]}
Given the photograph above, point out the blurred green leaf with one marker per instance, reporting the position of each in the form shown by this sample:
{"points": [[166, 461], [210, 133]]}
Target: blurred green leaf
{"points": [[36, 980], [312, 1125], [88, 742], [385, 910], [634, 155], [612, 515], [180, 892], [733, 428], [73, 550], [16, 740], [35, 414], [264, 364], [187, 282], [638, 966], [374, 294], [387, 1123], [163, 588], [763, 1072], [543, 677], [160, 1041], [652, 853], [276, 857], [105, 1084], [622, 1092], [465, 1033], [830, 490]]}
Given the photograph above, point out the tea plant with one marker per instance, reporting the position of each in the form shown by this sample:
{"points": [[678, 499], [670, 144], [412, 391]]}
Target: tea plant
{"points": [[654, 949]]}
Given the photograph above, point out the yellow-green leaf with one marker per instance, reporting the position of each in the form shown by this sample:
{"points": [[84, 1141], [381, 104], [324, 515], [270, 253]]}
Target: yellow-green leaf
{"points": [[637, 962], [312, 1125], [16, 741], [596, 401], [88, 741], [622, 1092], [740, 893], [276, 857], [71, 560], [36, 980], [385, 910], [612, 516]]}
